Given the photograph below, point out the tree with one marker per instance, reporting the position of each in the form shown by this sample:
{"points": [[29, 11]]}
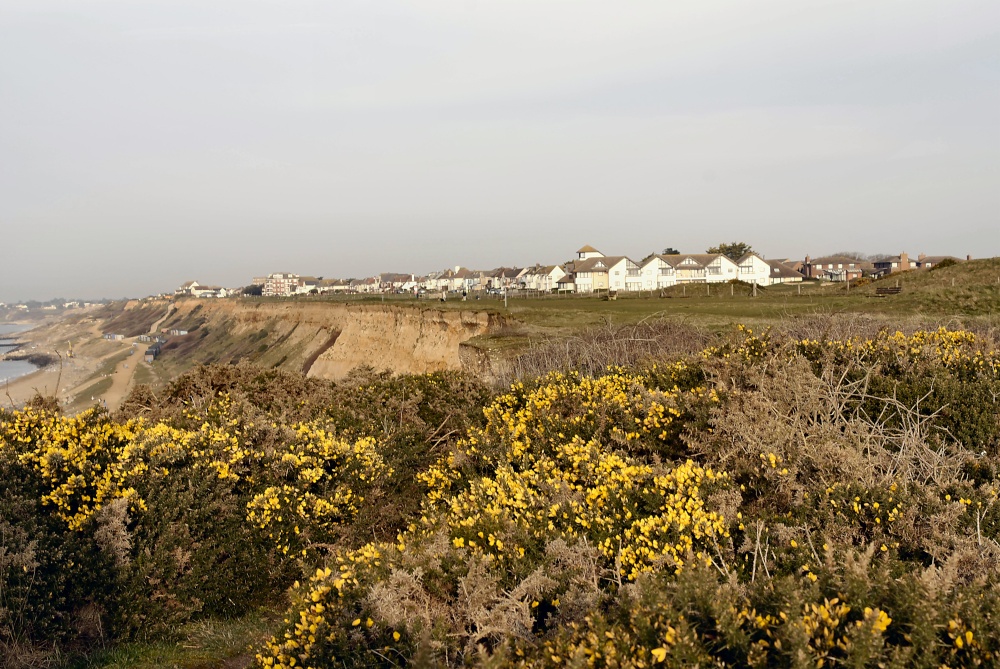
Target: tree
{"points": [[254, 290], [670, 251], [733, 250]]}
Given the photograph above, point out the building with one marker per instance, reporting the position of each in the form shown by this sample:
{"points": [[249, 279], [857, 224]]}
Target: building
{"points": [[656, 273], [591, 274], [702, 267], [624, 275], [754, 269], [280, 284], [900, 263], [927, 262], [782, 272], [187, 288], [834, 268]]}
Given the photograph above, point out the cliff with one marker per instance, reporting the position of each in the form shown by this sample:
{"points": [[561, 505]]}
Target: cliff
{"points": [[322, 339]]}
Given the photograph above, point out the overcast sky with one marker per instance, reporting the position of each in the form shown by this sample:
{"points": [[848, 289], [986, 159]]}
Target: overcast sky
{"points": [[143, 144]]}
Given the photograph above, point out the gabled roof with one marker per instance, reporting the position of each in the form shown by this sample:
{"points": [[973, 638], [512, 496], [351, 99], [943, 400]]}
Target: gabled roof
{"points": [[700, 259], [783, 271], [748, 255], [934, 260], [843, 260], [603, 263]]}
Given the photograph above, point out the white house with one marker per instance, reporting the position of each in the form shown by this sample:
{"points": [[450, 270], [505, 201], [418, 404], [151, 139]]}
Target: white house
{"points": [[624, 275], [754, 269], [783, 273], [657, 273], [703, 267], [542, 278]]}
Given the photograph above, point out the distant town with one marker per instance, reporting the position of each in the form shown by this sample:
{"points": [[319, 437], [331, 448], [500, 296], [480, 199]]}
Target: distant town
{"points": [[590, 272]]}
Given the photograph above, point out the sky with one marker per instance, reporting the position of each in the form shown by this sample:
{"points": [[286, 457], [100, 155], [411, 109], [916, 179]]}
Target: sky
{"points": [[144, 144]]}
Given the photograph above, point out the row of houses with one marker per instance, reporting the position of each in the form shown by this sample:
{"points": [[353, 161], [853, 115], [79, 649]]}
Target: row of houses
{"points": [[592, 271]]}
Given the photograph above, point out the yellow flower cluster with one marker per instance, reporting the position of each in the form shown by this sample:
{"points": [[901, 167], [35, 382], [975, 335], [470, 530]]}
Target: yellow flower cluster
{"points": [[84, 462], [322, 473], [957, 350], [555, 464]]}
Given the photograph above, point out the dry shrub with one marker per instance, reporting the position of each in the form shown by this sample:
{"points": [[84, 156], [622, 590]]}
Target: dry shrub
{"points": [[594, 350]]}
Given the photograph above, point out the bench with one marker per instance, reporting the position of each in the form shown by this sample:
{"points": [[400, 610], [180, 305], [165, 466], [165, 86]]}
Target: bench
{"points": [[888, 290]]}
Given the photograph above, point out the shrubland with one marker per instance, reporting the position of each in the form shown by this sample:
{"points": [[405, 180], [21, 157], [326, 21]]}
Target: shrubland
{"points": [[797, 498]]}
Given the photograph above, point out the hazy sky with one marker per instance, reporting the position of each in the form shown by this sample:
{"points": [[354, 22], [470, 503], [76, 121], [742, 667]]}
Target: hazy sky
{"points": [[143, 144]]}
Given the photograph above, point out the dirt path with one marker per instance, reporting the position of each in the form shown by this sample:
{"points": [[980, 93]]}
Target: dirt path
{"points": [[155, 327]]}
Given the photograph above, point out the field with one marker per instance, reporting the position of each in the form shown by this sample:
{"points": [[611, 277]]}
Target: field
{"points": [[644, 489]]}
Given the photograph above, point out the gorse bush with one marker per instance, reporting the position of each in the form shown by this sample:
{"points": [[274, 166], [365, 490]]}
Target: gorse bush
{"points": [[771, 501]]}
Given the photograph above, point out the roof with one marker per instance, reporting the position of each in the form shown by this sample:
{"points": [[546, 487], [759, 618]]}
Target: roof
{"points": [[783, 271], [933, 260], [702, 259], [838, 259], [588, 249], [749, 254], [591, 264]]}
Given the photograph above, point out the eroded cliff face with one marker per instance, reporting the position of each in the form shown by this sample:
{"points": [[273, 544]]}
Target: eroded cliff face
{"points": [[400, 340], [328, 339]]}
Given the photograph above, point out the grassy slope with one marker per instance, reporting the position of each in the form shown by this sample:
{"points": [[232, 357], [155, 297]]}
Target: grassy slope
{"points": [[210, 644]]}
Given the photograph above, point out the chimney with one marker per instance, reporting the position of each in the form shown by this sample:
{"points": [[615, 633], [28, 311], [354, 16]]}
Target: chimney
{"points": [[807, 259], [904, 261], [921, 257]]}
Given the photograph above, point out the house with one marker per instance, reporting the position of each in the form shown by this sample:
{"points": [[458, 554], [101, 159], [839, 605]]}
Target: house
{"points": [[567, 284], [834, 268], [588, 252], [624, 275], [542, 278], [702, 267], [465, 279], [187, 288], [656, 272], [306, 285], [503, 278], [754, 269], [332, 286], [900, 263], [280, 284], [177, 332], [783, 273], [395, 282], [591, 275], [113, 336], [927, 262], [209, 291], [369, 285]]}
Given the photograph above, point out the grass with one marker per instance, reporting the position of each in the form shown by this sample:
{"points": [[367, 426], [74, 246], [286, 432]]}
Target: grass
{"points": [[207, 644], [109, 365], [96, 389], [144, 374]]}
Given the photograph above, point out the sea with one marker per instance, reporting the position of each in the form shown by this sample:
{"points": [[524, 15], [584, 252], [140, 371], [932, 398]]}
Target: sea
{"points": [[12, 369]]}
